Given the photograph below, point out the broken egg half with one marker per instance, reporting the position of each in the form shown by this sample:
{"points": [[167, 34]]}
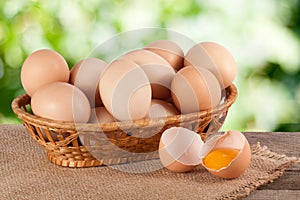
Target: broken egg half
{"points": [[226, 155]]}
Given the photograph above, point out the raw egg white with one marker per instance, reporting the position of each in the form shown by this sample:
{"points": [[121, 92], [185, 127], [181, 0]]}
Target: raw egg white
{"points": [[43, 67], [229, 157]]}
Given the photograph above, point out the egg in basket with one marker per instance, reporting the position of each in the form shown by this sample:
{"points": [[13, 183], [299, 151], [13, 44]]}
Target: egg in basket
{"points": [[105, 113]]}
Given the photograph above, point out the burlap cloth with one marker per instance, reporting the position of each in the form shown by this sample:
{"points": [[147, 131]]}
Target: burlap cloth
{"points": [[25, 173]]}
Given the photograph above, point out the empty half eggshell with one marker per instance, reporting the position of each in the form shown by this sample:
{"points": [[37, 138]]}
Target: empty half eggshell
{"points": [[231, 140], [158, 70], [179, 149], [169, 50]]}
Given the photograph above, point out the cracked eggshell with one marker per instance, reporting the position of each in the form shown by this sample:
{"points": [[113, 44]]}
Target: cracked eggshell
{"points": [[158, 70], [179, 149], [169, 50], [230, 140]]}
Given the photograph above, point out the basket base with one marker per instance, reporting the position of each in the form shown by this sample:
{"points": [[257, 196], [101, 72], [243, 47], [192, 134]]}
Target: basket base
{"points": [[79, 157], [72, 157], [139, 138]]}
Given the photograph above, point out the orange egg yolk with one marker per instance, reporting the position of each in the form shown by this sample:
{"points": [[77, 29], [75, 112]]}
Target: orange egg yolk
{"points": [[219, 158]]}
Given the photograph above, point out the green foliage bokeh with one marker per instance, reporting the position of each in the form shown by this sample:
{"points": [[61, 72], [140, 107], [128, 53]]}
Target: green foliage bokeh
{"points": [[264, 37]]}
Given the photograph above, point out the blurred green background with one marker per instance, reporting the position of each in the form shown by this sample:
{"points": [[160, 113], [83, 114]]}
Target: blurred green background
{"points": [[263, 36]]}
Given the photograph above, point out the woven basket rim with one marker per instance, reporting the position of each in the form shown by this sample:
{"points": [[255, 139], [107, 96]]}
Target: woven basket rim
{"points": [[231, 95]]}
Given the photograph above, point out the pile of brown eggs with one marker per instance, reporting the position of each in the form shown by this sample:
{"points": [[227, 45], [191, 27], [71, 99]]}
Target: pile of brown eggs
{"points": [[156, 81]]}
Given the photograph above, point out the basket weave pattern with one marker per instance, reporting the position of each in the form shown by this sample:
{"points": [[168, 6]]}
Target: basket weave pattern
{"points": [[137, 140]]}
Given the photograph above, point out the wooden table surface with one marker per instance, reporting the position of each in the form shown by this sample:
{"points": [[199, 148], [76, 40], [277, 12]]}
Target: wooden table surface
{"points": [[288, 186]]}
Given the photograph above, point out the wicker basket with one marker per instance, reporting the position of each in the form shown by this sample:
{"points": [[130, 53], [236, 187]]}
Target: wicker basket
{"points": [[138, 140]]}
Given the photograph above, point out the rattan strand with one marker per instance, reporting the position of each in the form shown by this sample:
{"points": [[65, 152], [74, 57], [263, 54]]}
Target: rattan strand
{"points": [[139, 138]]}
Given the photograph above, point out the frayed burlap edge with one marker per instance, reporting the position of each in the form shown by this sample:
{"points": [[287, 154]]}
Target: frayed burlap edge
{"points": [[262, 151]]}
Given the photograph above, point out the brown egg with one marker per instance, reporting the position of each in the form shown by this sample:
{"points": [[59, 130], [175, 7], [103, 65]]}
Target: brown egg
{"points": [[158, 70], [179, 149], [169, 50], [194, 90], [125, 90], [169, 100], [216, 59], [161, 108], [43, 67], [61, 101], [86, 76], [231, 140], [100, 115]]}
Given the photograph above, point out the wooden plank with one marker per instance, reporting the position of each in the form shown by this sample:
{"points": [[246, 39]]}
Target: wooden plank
{"points": [[287, 186], [285, 143], [290, 180], [274, 195]]}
